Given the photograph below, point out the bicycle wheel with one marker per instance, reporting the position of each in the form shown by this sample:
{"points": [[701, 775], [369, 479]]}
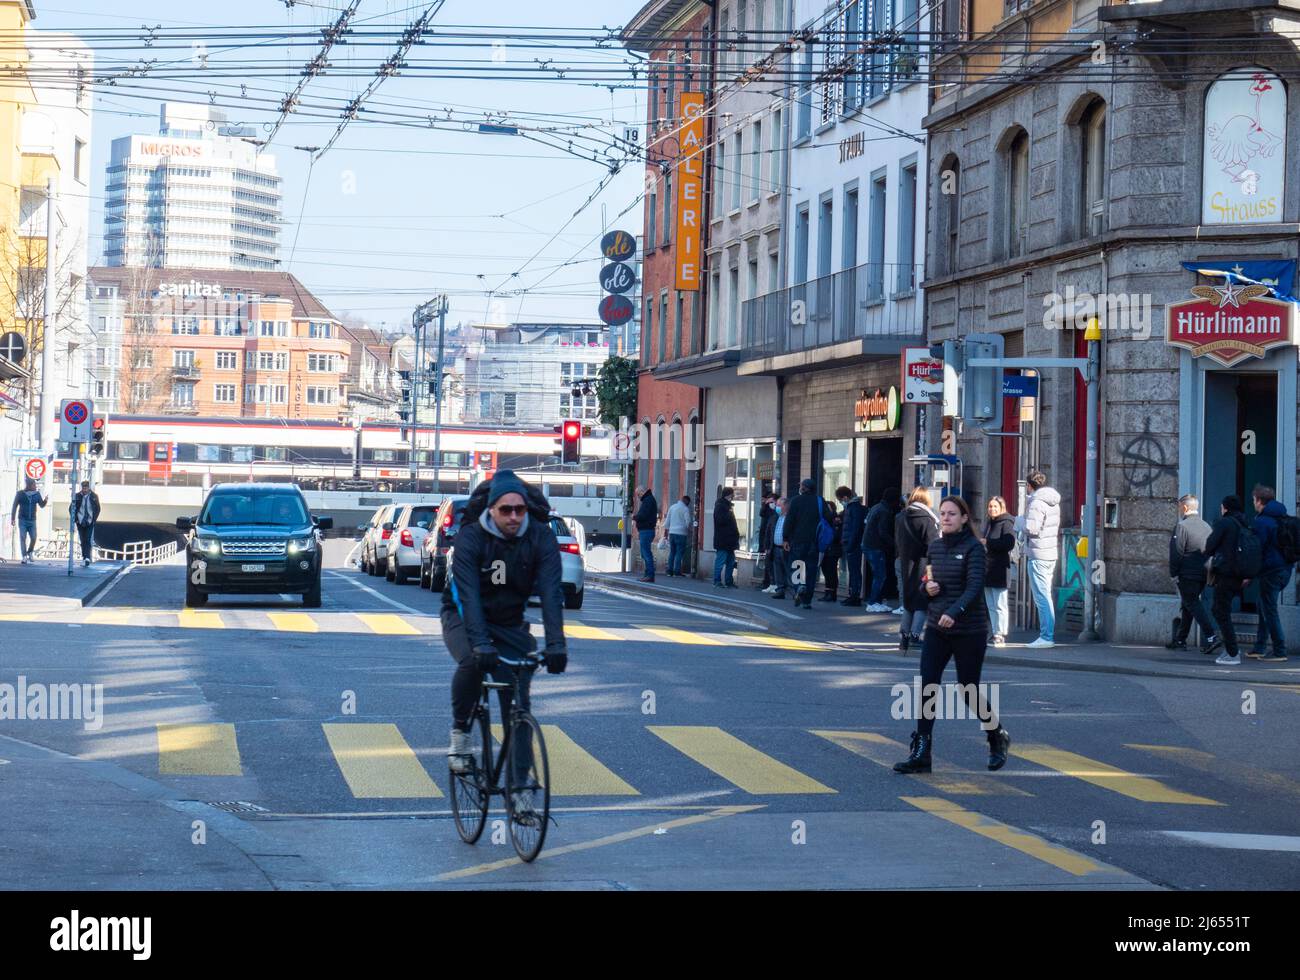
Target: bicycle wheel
{"points": [[528, 778], [470, 791]]}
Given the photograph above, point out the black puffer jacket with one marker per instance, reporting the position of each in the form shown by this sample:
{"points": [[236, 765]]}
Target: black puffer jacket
{"points": [[1000, 533], [957, 563], [647, 515], [726, 535], [914, 528], [854, 519]]}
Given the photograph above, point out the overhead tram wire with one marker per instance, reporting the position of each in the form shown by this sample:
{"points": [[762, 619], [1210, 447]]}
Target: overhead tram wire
{"points": [[313, 67]]}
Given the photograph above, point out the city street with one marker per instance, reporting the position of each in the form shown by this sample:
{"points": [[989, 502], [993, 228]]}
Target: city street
{"points": [[686, 752]]}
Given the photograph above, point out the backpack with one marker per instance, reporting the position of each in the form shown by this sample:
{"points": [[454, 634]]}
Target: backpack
{"points": [[1288, 538], [1247, 560], [825, 533]]}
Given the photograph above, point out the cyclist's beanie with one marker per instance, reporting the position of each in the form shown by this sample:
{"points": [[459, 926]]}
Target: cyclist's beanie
{"points": [[504, 482]]}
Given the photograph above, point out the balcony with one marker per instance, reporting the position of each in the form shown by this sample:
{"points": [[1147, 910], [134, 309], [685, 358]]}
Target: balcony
{"points": [[185, 372], [870, 311]]}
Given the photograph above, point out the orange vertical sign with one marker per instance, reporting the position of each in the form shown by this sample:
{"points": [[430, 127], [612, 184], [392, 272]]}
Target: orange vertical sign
{"points": [[690, 190]]}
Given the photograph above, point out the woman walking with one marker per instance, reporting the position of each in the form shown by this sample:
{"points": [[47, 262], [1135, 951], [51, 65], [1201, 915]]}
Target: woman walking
{"points": [[999, 541], [957, 628], [914, 528], [831, 557]]}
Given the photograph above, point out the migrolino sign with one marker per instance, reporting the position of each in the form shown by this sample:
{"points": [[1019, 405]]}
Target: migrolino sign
{"points": [[1228, 323], [877, 411]]}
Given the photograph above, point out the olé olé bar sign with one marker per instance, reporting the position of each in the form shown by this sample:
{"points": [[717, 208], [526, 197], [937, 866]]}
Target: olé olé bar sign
{"points": [[1228, 323]]}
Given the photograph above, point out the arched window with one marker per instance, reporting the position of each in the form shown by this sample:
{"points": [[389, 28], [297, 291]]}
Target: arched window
{"points": [[1092, 175], [1017, 202], [949, 214]]}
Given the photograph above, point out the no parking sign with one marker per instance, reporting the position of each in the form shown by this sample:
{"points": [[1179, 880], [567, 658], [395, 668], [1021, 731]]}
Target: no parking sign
{"points": [[75, 419]]}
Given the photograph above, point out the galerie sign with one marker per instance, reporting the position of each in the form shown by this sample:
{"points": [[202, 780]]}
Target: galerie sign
{"points": [[1228, 323], [1243, 165], [690, 190]]}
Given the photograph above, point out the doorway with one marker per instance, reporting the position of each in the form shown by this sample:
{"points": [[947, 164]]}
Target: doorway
{"points": [[884, 468]]}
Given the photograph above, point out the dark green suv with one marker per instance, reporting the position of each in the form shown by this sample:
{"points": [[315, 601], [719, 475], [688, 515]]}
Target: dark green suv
{"points": [[253, 539]]}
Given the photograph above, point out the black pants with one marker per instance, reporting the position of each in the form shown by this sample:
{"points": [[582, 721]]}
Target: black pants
{"points": [[466, 684], [809, 569], [767, 568], [854, 559], [86, 532], [1224, 595], [968, 650], [1193, 608], [831, 572]]}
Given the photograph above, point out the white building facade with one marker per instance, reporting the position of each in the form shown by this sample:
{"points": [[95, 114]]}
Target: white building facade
{"points": [[197, 195]]}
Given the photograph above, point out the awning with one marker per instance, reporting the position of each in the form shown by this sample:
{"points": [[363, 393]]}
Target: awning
{"points": [[7, 403], [10, 370]]}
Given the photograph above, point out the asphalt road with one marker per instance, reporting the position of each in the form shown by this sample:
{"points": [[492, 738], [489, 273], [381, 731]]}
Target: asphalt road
{"points": [[306, 749]]}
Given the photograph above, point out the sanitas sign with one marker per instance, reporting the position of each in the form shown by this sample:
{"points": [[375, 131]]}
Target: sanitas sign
{"points": [[877, 411], [1228, 323], [191, 288]]}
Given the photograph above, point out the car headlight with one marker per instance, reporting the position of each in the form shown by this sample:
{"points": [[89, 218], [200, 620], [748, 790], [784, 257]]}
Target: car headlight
{"points": [[211, 546], [298, 546]]}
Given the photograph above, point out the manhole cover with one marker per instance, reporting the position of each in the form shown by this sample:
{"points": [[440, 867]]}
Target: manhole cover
{"points": [[238, 806]]}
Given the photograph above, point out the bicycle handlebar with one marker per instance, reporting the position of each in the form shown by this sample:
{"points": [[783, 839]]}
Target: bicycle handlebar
{"points": [[531, 660]]}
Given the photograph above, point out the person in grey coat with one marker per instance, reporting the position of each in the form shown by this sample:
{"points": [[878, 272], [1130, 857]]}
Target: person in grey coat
{"points": [[1187, 569]]}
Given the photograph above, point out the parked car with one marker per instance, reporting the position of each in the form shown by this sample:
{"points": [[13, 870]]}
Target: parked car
{"points": [[433, 552], [572, 538], [410, 527], [253, 539], [374, 545]]}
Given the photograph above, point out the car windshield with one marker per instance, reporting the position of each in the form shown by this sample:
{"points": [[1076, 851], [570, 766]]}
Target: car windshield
{"points": [[422, 516], [253, 508], [560, 528]]}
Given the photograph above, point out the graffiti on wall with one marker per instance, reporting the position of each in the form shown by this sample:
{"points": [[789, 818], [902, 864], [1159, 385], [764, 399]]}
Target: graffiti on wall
{"points": [[1143, 462]]}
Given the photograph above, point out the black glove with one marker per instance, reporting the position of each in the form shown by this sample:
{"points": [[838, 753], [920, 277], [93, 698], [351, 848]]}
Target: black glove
{"points": [[556, 661], [486, 658]]}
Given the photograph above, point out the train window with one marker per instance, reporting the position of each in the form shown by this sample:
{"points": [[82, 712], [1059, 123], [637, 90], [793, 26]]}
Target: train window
{"points": [[241, 454], [274, 454], [384, 455], [559, 490], [127, 450], [207, 454], [185, 452], [63, 450]]}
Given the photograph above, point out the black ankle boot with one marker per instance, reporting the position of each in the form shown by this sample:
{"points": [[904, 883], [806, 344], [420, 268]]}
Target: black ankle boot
{"points": [[851, 601], [827, 597], [903, 640], [919, 760], [999, 743]]}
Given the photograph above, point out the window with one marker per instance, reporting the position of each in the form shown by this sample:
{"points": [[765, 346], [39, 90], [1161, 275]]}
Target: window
{"points": [[266, 394], [79, 160], [681, 329], [849, 233], [668, 208], [322, 396], [719, 178], [907, 229], [878, 63], [484, 404], [185, 325], [183, 394], [724, 40], [510, 403], [141, 357], [266, 329], [662, 353], [825, 225], [950, 213], [715, 292], [799, 273], [1092, 183], [101, 356], [227, 360], [322, 363], [321, 330], [736, 172], [223, 393], [652, 214], [129, 450], [876, 245], [183, 358], [907, 56], [272, 360], [670, 100], [805, 94], [756, 161], [733, 305], [777, 178], [649, 324], [208, 454], [1018, 195]]}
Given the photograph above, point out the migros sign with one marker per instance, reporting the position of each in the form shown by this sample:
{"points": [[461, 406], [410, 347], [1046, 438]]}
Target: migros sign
{"points": [[171, 148]]}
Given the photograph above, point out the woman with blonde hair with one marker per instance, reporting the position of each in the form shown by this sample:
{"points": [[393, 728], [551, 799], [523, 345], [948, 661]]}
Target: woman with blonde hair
{"points": [[914, 529]]}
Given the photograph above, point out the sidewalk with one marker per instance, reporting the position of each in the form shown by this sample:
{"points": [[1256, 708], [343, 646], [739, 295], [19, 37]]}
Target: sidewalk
{"points": [[46, 586], [877, 633]]}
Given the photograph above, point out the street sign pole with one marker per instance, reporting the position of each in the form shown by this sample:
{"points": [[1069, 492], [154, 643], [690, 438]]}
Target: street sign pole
{"points": [[437, 394], [1089, 633], [72, 503]]}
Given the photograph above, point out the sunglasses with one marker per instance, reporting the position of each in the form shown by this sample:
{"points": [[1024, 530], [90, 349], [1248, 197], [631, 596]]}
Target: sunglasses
{"points": [[505, 510]]}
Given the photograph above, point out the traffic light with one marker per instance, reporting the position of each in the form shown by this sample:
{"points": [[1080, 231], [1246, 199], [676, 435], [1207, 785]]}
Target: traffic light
{"points": [[952, 363], [403, 414], [571, 442], [97, 432]]}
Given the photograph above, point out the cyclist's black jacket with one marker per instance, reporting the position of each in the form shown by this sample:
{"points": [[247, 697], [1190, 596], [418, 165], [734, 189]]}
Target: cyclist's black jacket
{"points": [[531, 565]]}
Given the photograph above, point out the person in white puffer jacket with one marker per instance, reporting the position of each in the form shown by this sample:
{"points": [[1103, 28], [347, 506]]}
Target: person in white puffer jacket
{"points": [[1041, 527]]}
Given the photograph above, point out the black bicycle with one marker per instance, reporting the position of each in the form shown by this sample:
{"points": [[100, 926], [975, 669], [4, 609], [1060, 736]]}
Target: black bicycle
{"points": [[523, 760]]}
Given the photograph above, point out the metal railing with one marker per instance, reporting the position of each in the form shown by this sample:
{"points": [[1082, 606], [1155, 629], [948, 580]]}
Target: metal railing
{"points": [[136, 552], [876, 299]]}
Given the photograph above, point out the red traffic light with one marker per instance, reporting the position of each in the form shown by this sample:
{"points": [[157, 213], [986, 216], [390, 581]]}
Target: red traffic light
{"points": [[97, 424], [572, 430]]}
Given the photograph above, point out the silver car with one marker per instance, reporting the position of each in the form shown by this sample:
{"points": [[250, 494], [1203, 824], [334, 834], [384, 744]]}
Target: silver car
{"points": [[410, 527], [374, 545], [573, 544]]}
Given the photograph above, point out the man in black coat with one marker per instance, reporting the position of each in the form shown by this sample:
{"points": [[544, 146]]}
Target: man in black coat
{"points": [[879, 549], [85, 514], [646, 520], [766, 522], [1187, 569], [800, 533], [726, 539], [853, 525], [1228, 585]]}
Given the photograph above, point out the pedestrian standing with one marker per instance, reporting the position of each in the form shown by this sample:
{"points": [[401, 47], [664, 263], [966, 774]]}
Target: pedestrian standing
{"points": [[956, 629], [1041, 526], [85, 514], [1273, 577], [778, 556], [1225, 573], [854, 522], [806, 515], [1187, 569], [832, 555], [26, 503], [726, 539], [677, 526], [914, 529], [646, 520], [766, 518], [999, 541], [879, 547]]}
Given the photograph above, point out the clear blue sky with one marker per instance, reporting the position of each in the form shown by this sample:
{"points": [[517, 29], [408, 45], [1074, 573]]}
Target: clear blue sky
{"points": [[393, 215]]}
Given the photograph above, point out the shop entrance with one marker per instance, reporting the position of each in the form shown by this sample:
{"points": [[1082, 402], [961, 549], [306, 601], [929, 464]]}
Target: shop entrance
{"points": [[884, 468], [1237, 408]]}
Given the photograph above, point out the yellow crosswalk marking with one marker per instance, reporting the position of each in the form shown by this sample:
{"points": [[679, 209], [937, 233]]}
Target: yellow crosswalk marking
{"points": [[193, 619], [784, 642], [1036, 847], [580, 631], [946, 778], [673, 635], [198, 750], [388, 624], [109, 617], [294, 622], [377, 763], [574, 770], [1108, 777], [1260, 780], [735, 761]]}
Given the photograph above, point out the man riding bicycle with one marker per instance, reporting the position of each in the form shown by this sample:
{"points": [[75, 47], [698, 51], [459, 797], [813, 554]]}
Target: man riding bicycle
{"points": [[504, 553]]}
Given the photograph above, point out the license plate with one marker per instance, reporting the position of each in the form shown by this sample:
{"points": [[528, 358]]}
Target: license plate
{"points": [[252, 568]]}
